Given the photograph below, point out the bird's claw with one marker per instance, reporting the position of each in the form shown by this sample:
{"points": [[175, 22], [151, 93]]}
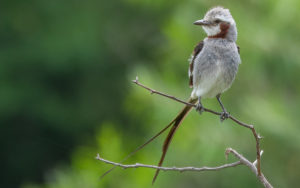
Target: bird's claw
{"points": [[224, 115], [199, 108]]}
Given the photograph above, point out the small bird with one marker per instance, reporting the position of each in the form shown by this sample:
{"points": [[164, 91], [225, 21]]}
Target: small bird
{"points": [[213, 66]]}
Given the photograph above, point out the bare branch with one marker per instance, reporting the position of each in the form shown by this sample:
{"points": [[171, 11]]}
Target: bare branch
{"points": [[152, 91], [180, 169], [241, 158], [252, 166], [256, 136]]}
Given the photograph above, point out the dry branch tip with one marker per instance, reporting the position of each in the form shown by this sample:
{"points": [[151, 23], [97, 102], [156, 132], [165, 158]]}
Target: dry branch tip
{"points": [[98, 156]]}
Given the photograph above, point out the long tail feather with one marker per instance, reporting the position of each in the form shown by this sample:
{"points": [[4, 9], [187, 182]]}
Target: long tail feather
{"points": [[140, 147], [176, 122]]}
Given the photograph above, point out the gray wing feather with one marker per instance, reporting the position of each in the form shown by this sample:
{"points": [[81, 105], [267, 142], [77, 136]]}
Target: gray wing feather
{"points": [[196, 51]]}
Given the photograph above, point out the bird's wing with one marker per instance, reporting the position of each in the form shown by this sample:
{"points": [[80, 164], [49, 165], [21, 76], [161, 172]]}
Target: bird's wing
{"points": [[196, 51]]}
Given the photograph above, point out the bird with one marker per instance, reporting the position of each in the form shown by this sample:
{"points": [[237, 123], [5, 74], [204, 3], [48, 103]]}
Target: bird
{"points": [[212, 69]]}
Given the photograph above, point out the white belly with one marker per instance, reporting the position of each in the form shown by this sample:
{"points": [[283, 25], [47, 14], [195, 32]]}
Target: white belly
{"points": [[210, 85]]}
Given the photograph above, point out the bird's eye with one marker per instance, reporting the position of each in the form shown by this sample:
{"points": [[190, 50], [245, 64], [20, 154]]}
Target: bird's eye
{"points": [[217, 21]]}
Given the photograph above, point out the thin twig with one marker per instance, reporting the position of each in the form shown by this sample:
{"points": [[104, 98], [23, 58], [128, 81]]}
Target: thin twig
{"points": [[256, 136], [180, 169]]}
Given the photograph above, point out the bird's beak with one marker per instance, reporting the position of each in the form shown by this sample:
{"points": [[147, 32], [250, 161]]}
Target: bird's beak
{"points": [[202, 22]]}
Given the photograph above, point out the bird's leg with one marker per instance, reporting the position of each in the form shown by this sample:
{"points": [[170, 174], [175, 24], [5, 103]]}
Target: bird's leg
{"points": [[199, 107], [224, 114]]}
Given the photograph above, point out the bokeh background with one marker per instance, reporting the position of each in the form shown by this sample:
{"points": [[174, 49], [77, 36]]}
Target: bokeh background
{"points": [[66, 92]]}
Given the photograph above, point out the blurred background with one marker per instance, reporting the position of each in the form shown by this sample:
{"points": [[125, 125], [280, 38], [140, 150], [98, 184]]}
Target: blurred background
{"points": [[66, 92]]}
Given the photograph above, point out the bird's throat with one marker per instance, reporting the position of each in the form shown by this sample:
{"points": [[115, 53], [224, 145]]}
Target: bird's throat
{"points": [[224, 27]]}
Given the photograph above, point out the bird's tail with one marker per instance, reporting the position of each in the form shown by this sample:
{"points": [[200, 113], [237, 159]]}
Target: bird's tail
{"points": [[173, 122], [176, 122]]}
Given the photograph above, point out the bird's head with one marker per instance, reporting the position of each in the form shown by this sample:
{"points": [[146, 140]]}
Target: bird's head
{"points": [[218, 23]]}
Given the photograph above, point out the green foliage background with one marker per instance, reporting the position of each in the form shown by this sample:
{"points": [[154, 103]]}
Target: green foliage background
{"points": [[66, 92]]}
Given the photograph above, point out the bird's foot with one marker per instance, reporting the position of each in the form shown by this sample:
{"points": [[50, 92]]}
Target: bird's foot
{"points": [[224, 115], [199, 108]]}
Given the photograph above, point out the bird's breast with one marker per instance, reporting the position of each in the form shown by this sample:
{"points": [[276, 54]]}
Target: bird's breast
{"points": [[215, 68]]}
